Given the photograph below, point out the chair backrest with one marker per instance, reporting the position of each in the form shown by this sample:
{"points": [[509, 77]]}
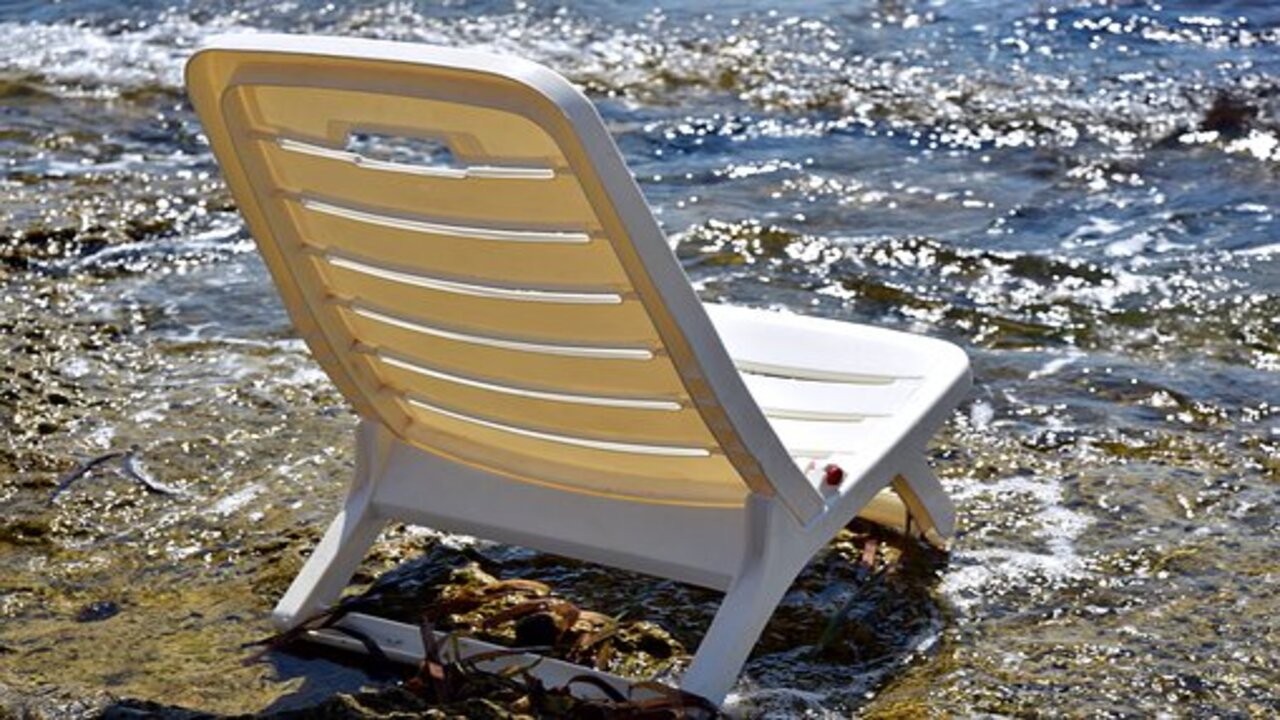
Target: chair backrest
{"points": [[515, 309]]}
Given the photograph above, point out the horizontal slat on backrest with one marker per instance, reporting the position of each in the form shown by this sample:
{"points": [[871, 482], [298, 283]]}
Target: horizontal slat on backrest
{"points": [[634, 419], [594, 456], [536, 204], [594, 369], [623, 321], [535, 260], [714, 484], [485, 134]]}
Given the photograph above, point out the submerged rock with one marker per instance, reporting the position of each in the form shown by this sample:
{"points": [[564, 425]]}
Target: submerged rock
{"points": [[98, 611]]}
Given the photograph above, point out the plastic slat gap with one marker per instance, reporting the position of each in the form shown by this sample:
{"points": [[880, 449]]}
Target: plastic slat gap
{"points": [[491, 292], [773, 413], [578, 351], [604, 445], [628, 403], [353, 158], [790, 372], [435, 228]]}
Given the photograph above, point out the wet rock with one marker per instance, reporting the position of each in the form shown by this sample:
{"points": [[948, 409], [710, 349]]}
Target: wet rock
{"points": [[15, 88], [98, 611], [649, 638], [143, 227], [537, 630], [24, 531], [139, 709], [1229, 115]]}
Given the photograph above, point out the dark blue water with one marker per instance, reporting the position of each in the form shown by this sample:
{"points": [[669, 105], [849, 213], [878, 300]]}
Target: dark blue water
{"points": [[1082, 194]]}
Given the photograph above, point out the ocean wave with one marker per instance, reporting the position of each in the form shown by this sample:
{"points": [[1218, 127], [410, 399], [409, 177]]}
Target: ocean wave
{"points": [[1027, 91]]}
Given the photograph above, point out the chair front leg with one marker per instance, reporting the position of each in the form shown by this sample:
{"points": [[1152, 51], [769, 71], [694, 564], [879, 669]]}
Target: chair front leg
{"points": [[775, 550], [746, 609], [925, 498]]}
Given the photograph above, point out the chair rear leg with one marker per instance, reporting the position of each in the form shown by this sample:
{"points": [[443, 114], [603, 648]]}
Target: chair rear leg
{"points": [[925, 497], [330, 567]]}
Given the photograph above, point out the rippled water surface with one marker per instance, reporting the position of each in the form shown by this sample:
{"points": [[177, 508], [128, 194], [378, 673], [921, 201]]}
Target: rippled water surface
{"points": [[1081, 194]]}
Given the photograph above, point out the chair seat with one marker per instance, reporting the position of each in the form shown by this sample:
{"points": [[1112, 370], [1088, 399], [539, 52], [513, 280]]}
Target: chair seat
{"points": [[830, 388]]}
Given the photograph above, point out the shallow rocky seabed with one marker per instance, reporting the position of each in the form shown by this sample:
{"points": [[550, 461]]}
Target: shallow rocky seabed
{"points": [[1081, 194]]}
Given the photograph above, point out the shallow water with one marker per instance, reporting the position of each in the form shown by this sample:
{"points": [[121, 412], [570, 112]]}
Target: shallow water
{"points": [[1081, 194]]}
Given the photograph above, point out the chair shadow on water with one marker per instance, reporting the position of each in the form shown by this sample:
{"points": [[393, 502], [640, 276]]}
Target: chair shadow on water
{"points": [[845, 628], [850, 624]]}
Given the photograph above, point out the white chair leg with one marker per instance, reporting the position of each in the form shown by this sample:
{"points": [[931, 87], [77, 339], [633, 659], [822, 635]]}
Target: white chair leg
{"points": [[746, 608], [925, 497], [330, 567]]}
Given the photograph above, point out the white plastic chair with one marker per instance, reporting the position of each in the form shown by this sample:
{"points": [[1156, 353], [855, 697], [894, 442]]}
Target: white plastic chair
{"points": [[529, 360]]}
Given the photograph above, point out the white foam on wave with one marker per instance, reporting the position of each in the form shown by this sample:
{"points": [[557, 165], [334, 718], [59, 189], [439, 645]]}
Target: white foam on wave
{"points": [[1141, 243], [981, 413], [232, 502], [976, 572], [220, 238], [86, 59], [1093, 230], [785, 701], [762, 690], [1055, 365], [1261, 251], [1259, 144], [89, 57], [1107, 294]]}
